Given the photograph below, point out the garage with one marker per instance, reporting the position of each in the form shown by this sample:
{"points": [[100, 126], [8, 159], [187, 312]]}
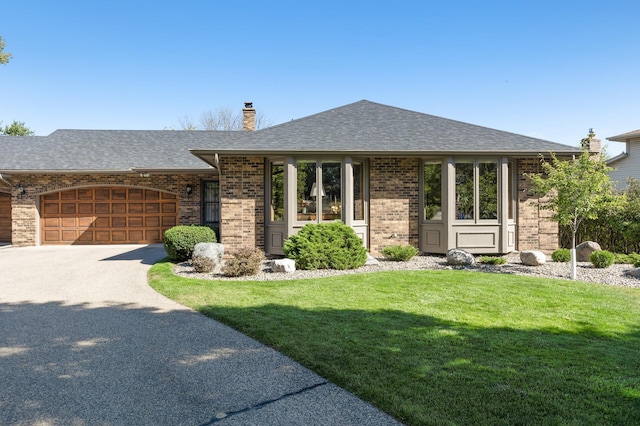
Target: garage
{"points": [[107, 215], [5, 218]]}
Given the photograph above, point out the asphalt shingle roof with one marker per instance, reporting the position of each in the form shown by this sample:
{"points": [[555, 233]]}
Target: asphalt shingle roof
{"points": [[363, 127]]}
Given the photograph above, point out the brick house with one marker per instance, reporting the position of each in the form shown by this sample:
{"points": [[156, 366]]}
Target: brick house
{"points": [[395, 176]]}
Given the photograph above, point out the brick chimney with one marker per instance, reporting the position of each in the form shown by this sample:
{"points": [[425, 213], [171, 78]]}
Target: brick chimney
{"points": [[248, 117]]}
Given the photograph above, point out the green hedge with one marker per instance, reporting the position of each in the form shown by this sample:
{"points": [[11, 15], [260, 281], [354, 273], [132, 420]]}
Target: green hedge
{"points": [[179, 241]]}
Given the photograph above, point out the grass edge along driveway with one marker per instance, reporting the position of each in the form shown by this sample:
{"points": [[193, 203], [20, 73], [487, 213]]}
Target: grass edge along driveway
{"points": [[446, 347]]}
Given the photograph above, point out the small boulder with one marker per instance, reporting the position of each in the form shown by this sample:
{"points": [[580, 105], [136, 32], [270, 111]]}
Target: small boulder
{"points": [[213, 251], [584, 250], [532, 258], [635, 273], [283, 265], [460, 257]]}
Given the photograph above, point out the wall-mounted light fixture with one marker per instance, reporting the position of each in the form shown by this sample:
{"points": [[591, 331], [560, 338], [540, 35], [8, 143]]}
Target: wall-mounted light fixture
{"points": [[189, 189], [20, 189], [144, 175]]}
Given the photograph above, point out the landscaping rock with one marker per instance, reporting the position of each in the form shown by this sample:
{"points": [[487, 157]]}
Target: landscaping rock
{"points": [[584, 250], [460, 258], [283, 265], [635, 273], [213, 251], [532, 258]]}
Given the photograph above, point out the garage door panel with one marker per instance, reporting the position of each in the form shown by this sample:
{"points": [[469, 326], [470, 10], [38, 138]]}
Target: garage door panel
{"points": [[68, 208], [68, 222], [107, 216], [85, 208], [5, 218], [119, 222]]}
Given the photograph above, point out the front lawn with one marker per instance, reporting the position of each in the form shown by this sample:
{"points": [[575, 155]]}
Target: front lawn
{"points": [[446, 347]]}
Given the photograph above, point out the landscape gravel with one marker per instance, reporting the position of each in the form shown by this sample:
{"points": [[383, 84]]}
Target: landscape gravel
{"points": [[616, 274]]}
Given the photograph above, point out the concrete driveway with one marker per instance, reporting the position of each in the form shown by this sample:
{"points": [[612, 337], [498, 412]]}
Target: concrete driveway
{"points": [[85, 341]]}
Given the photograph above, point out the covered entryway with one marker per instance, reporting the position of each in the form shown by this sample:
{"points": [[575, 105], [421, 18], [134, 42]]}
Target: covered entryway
{"points": [[107, 215], [5, 218]]}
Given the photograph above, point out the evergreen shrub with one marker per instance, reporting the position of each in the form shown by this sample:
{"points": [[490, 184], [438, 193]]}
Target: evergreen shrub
{"points": [[561, 255], [492, 260], [399, 253], [331, 245], [179, 241], [601, 259]]}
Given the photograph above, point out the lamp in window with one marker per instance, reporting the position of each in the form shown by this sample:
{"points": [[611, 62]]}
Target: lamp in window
{"points": [[314, 190], [189, 189]]}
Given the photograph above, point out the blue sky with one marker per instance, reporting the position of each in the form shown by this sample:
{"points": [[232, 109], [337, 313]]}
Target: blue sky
{"points": [[548, 69]]}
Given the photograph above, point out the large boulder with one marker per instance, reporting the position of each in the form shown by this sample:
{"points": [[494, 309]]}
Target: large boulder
{"points": [[213, 251], [458, 257], [532, 258], [283, 265], [584, 250]]}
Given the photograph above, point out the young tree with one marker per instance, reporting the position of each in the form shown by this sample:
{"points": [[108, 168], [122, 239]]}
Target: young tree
{"points": [[576, 190], [4, 57], [17, 128]]}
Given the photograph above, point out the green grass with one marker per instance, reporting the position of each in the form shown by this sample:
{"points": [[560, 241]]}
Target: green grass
{"points": [[446, 347]]}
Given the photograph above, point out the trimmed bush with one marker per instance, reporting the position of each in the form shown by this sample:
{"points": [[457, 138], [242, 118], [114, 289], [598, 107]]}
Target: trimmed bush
{"points": [[202, 264], [399, 253], [245, 261], [601, 259], [179, 241], [561, 255], [331, 245], [492, 260]]}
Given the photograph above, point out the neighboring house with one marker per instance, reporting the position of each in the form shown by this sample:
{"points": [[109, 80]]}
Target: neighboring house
{"points": [[627, 164], [395, 176]]}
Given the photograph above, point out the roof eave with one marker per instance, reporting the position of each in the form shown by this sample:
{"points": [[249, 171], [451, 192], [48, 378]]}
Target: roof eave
{"points": [[204, 153]]}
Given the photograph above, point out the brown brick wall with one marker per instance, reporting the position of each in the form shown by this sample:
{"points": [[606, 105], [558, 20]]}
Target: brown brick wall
{"points": [[25, 215], [242, 202], [393, 202], [536, 230]]}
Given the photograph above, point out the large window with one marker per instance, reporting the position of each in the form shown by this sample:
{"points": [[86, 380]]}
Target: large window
{"points": [[432, 191], [464, 190], [277, 192], [319, 190], [476, 190], [488, 190], [358, 191]]}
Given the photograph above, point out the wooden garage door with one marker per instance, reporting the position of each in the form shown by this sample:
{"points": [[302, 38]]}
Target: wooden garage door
{"points": [[107, 216], [5, 218]]}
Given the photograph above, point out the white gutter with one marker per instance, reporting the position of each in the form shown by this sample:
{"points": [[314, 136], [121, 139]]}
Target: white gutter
{"points": [[3, 178]]}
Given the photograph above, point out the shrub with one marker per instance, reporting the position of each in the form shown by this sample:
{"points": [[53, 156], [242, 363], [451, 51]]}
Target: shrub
{"points": [[179, 241], [492, 260], [331, 245], [631, 258], [202, 264], [561, 255], [399, 253], [246, 261], [601, 258]]}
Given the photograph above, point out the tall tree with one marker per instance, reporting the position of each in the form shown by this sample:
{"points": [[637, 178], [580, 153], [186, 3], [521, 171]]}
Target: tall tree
{"points": [[17, 128], [4, 57], [575, 190]]}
